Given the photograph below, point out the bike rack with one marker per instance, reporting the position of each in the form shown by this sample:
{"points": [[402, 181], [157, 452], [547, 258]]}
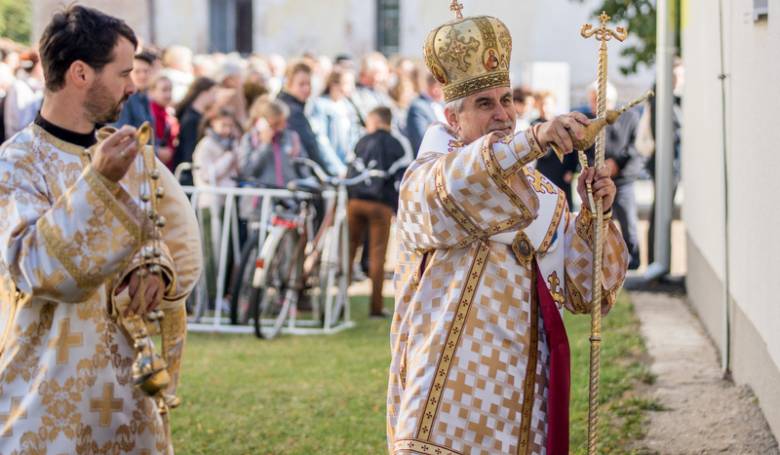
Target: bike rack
{"points": [[203, 323]]}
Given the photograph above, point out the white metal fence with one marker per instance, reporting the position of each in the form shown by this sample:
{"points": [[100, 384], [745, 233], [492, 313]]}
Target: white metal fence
{"points": [[212, 316]]}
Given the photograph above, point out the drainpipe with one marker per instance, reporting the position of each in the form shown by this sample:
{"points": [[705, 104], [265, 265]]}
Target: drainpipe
{"points": [[664, 133], [725, 356]]}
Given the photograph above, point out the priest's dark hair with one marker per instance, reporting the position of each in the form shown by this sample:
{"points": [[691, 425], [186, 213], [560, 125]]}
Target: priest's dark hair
{"points": [[80, 33]]}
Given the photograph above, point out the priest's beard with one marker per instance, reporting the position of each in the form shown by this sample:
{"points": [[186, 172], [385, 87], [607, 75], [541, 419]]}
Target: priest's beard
{"points": [[101, 107]]}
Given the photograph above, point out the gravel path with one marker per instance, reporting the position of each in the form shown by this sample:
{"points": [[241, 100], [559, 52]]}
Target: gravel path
{"points": [[704, 413]]}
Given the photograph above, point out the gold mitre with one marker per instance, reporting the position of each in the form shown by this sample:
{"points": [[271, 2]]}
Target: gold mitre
{"points": [[468, 55]]}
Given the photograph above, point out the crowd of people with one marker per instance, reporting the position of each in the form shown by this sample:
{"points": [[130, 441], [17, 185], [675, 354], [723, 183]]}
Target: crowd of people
{"points": [[244, 119]]}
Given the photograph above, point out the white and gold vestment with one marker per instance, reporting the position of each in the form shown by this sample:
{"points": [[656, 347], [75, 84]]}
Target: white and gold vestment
{"points": [[68, 236], [478, 231]]}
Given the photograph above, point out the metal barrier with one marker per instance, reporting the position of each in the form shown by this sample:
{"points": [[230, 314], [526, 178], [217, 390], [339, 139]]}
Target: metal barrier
{"points": [[200, 321]]}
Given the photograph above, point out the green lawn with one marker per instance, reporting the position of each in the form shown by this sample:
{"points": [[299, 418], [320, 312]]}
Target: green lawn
{"points": [[326, 394]]}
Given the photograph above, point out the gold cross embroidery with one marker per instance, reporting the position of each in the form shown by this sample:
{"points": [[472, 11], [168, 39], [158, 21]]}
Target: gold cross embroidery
{"points": [[66, 340], [106, 405], [554, 285], [539, 183], [458, 49], [14, 413]]}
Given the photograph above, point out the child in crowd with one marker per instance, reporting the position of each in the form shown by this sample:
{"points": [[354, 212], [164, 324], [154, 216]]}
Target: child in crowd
{"points": [[373, 203]]}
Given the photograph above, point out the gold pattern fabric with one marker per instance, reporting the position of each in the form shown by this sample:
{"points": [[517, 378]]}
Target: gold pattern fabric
{"points": [[469, 55], [67, 236], [470, 361]]}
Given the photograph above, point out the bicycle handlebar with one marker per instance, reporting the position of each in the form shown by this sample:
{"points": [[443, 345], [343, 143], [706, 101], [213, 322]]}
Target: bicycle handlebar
{"points": [[365, 174], [316, 168]]}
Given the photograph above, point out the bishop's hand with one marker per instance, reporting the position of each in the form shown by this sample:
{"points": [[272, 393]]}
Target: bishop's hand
{"points": [[113, 157], [558, 132]]}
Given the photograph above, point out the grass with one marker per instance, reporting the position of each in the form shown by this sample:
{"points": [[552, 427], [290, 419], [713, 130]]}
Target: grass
{"points": [[326, 394], [624, 374]]}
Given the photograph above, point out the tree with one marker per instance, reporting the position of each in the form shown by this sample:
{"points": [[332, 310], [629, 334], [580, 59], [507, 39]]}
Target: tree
{"points": [[640, 18], [15, 18]]}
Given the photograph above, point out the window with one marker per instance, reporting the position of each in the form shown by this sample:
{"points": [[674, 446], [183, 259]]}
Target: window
{"points": [[760, 10], [230, 26], [388, 21]]}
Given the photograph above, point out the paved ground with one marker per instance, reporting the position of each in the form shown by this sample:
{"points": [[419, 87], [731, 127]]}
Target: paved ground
{"points": [[705, 414]]}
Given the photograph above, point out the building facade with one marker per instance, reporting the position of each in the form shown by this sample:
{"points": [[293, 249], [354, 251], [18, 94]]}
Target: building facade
{"points": [[548, 51], [748, 331]]}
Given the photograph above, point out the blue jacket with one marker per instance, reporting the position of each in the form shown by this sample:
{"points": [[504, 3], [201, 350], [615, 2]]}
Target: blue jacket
{"points": [[419, 118], [136, 111]]}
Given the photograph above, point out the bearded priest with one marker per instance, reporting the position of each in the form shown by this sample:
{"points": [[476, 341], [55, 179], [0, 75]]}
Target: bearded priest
{"points": [[71, 236]]}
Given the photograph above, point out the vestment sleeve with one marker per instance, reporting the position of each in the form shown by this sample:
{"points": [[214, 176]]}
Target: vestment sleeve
{"points": [[474, 191]]}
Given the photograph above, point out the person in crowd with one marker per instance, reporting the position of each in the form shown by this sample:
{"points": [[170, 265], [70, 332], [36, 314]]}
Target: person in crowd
{"points": [[266, 152], [523, 101], [231, 80], [426, 109], [373, 203], [402, 93], [278, 68], [372, 84], [190, 112], [334, 116], [560, 173], [24, 97], [177, 63], [6, 80], [625, 166], [166, 127], [344, 62], [11, 58], [215, 164], [137, 109], [297, 90]]}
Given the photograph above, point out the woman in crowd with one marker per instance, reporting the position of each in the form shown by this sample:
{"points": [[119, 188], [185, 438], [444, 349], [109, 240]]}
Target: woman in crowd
{"points": [[166, 127], [267, 150], [215, 164], [335, 117], [196, 103]]}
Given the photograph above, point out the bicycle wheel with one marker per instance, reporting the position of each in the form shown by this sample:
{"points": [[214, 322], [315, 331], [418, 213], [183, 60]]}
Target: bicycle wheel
{"points": [[334, 275], [278, 294], [244, 296]]}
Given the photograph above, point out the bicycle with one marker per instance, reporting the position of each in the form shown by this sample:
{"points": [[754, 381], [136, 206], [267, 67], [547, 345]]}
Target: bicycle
{"points": [[244, 296], [294, 263]]}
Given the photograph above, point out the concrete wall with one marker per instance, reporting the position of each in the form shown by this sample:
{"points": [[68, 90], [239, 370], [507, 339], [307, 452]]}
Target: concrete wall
{"points": [[752, 136]]}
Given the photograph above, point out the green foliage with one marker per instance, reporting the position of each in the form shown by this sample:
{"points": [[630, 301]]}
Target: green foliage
{"points": [[640, 18], [15, 20], [326, 394]]}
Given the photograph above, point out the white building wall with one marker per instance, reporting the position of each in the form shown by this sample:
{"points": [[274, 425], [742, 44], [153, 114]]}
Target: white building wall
{"points": [[182, 22], [752, 96], [291, 27]]}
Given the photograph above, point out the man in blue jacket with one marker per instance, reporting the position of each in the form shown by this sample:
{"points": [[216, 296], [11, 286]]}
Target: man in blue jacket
{"points": [[425, 110]]}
